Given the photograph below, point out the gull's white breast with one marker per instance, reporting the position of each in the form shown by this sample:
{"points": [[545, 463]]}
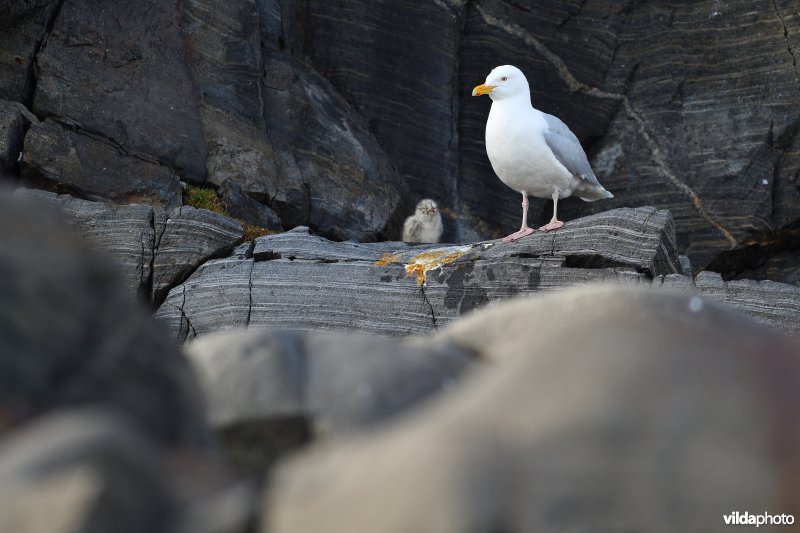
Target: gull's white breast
{"points": [[520, 155]]}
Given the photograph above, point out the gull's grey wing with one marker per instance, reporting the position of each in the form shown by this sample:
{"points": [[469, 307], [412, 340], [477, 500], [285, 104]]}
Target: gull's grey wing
{"points": [[567, 149]]}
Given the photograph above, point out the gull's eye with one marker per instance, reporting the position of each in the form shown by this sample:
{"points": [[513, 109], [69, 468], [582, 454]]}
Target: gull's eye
{"points": [[504, 78]]}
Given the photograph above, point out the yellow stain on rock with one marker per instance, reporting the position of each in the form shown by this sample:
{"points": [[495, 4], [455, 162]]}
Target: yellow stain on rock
{"points": [[387, 259], [431, 260]]}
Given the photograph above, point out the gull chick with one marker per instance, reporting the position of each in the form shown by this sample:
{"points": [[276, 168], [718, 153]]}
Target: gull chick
{"points": [[425, 225], [532, 152]]}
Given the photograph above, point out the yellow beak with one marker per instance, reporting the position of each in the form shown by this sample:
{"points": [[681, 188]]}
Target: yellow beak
{"points": [[482, 89]]}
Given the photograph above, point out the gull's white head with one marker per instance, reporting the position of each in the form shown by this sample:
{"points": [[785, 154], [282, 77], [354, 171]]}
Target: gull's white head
{"points": [[505, 81]]}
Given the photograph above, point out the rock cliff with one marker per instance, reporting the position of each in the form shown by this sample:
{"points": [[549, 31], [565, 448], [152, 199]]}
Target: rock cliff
{"points": [[691, 108]]}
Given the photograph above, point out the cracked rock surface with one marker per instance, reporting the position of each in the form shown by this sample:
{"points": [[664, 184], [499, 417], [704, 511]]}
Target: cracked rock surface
{"points": [[190, 237], [73, 161], [152, 250], [301, 281]]}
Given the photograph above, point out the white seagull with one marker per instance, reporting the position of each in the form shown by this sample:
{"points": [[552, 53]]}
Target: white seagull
{"points": [[532, 152]]}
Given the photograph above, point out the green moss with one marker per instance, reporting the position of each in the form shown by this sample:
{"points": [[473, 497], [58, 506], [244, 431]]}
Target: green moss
{"points": [[207, 198], [204, 198]]}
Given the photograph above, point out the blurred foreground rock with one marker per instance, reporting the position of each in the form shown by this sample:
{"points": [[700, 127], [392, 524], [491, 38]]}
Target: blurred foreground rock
{"points": [[301, 281], [83, 471], [608, 409], [70, 335], [268, 391], [102, 426]]}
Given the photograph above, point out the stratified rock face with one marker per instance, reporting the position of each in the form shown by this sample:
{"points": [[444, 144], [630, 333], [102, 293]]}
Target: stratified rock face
{"points": [[191, 237], [605, 409], [691, 107], [709, 127], [771, 303], [300, 281], [152, 250], [403, 81], [120, 70], [329, 160], [70, 335], [342, 115], [74, 161], [223, 41], [125, 234]]}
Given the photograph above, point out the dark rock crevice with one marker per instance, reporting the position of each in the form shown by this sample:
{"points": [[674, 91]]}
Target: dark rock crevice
{"points": [[183, 334], [101, 137], [249, 297], [788, 43], [33, 72], [430, 306], [751, 259], [572, 14]]}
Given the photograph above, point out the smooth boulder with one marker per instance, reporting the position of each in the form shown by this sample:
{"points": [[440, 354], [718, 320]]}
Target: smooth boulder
{"points": [[607, 408]]}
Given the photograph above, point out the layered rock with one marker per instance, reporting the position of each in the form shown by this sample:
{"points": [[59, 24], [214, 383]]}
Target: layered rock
{"points": [[152, 250], [300, 281], [124, 234], [408, 96], [645, 85], [334, 175], [638, 409], [190, 237], [771, 303], [283, 98], [715, 140]]}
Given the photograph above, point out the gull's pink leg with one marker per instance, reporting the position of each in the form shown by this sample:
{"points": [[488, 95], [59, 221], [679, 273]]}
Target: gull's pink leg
{"points": [[524, 229], [554, 222]]}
